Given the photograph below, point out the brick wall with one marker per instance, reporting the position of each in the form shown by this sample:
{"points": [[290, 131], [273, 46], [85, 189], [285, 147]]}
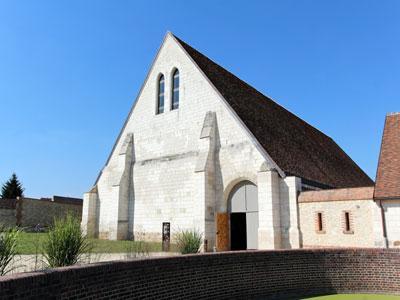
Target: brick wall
{"points": [[234, 275]]}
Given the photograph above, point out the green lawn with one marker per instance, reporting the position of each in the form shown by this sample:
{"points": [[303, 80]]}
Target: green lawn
{"points": [[30, 241], [356, 297]]}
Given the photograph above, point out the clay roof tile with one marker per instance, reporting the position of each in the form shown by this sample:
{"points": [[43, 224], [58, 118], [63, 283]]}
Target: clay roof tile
{"points": [[388, 173]]}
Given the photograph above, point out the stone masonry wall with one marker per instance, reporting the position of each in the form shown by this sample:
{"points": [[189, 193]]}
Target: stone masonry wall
{"points": [[333, 233], [364, 218], [43, 212], [27, 212], [163, 183], [234, 275], [8, 212], [7, 217], [392, 216]]}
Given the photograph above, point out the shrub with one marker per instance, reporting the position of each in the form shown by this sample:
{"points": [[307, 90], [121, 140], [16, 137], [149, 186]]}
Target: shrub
{"points": [[189, 241], [65, 244], [8, 248]]}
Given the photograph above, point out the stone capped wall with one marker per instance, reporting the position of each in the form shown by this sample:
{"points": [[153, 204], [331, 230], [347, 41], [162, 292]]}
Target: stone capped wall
{"points": [[333, 234], [28, 212], [8, 212], [7, 217], [364, 214], [234, 275], [43, 212]]}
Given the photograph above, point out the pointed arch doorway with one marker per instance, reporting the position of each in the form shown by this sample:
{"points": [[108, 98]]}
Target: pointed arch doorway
{"points": [[243, 210]]}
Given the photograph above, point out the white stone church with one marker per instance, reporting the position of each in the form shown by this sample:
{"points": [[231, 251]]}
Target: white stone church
{"points": [[201, 149]]}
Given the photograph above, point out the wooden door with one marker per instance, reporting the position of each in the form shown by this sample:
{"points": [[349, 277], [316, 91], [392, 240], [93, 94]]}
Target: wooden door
{"points": [[222, 231]]}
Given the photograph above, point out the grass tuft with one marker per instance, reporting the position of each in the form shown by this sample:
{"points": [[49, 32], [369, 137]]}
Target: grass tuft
{"points": [[8, 248], [189, 241], [66, 243]]}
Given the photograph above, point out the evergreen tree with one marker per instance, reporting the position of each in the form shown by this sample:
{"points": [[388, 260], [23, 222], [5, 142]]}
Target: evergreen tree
{"points": [[12, 188]]}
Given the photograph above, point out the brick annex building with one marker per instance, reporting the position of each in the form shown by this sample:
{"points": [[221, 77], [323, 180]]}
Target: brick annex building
{"points": [[203, 149]]}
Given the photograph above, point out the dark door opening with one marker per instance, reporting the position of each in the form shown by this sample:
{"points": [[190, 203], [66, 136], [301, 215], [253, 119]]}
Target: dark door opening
{"points": [[238, 231]]}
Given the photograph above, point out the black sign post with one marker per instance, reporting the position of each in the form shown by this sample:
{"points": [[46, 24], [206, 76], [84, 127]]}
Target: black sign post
{"points": [[166, 236]]}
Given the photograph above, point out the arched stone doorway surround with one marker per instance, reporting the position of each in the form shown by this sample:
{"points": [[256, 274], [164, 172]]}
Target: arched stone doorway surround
{"points": [[222, 205], [243, 210], [237, 224]]}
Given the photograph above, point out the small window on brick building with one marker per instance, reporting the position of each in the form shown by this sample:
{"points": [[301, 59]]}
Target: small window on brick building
{"points": [[347, 226], [320, 228]]}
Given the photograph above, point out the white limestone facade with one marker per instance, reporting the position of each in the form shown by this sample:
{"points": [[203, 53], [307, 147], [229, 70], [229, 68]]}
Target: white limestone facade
{"points": [[343, 218], [373, 223], [362, 214], [180, 166], [392, 221]]}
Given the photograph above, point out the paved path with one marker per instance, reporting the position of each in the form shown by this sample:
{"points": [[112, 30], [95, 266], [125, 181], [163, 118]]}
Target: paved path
{"points": [[28, 263]]}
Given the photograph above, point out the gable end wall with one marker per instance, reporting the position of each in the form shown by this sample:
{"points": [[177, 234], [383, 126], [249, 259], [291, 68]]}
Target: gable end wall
{"points": [[166, 149]]}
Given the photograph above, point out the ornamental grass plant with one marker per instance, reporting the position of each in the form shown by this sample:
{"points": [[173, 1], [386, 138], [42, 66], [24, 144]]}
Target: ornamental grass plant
{"points": [[8, 248], [189, 241], [65, 244]]}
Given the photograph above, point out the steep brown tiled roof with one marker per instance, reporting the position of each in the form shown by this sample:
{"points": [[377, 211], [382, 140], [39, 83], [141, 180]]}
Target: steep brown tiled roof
{"points": [[359, 193], [295, 146], [388, 173]]}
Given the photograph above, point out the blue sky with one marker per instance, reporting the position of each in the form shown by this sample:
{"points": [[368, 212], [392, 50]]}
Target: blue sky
{"points": [[70, 71]]}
